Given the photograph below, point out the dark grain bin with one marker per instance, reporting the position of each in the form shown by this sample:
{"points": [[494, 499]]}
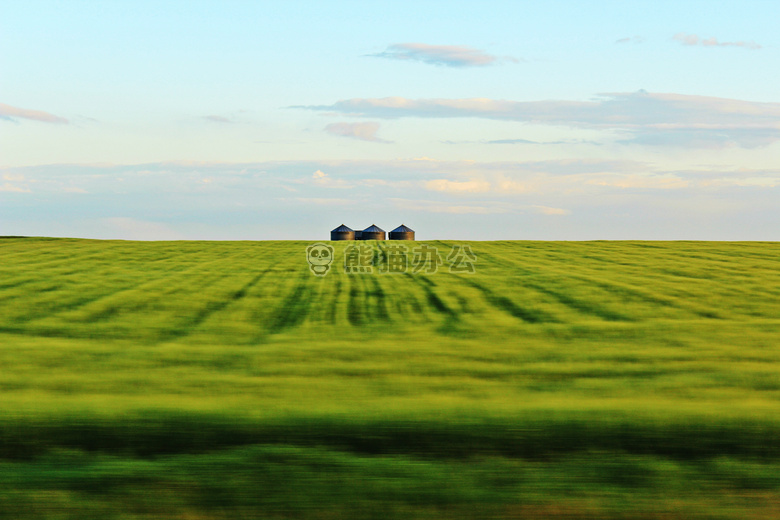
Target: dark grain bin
{"points": [[373, 233], [358, 235], [402, 233], [342, 233]]}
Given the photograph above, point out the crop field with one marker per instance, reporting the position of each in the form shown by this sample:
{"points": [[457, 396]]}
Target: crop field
{"points": [[224, 380]]}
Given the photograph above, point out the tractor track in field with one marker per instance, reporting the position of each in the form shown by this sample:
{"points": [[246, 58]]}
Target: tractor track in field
{"points": [[587, 307], [524, 314], [213, 307], [167, 280], [380, 300], [613, 287], [67, 307], [432, 298], [451, 318], [367, 302], [294, 308], [354, 307], [333, 309], [16, 283]]}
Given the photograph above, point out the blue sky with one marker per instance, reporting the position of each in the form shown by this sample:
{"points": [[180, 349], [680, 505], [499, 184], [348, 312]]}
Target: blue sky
{"points": [[556, 120]]}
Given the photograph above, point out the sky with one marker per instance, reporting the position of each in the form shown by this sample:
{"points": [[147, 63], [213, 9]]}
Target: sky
{"points": [[471, 120]]}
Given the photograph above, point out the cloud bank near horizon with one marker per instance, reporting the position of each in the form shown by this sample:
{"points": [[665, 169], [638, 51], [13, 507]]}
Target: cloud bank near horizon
{"points": [[550, 199], [553, 199]]}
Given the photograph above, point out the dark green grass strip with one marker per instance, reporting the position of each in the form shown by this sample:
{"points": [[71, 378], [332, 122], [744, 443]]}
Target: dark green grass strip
{"points": [[283, 482], [156, 433]]}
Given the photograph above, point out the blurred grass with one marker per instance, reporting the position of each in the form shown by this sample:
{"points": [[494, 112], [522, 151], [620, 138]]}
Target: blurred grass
{"points": [[562, 380], [279, 481]]}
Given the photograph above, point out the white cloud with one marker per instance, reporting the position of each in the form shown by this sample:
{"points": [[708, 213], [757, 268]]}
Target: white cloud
{"points": [[386, 183], [323, 179], [443, 55], [693, 40], [11, 113], [508, 186], [363, 131], [641, 181], [431, 206], [546, 210], [322, 201], [12, 188], [646, 119], [458, 186], [756, 182]]}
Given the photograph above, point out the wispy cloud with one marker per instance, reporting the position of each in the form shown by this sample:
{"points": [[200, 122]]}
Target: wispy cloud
{"points": [[321, 201], [12, 113], [364, 131], [693, 40], [443, 55], [445, 185], [8, 187], [705, 137], [450, 180], [631, 39], [516, 141], [662, 182], [547, 210], [218, 119], [434, 206], [321, 178], [646, 118], [525, 141]]}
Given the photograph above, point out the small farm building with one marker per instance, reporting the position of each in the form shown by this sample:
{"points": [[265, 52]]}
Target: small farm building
{"points": [[402, 233], [372, 233], [342, 233]]}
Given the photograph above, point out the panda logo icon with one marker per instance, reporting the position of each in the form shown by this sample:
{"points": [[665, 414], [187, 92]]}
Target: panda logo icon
{"points": [[319, 256]]}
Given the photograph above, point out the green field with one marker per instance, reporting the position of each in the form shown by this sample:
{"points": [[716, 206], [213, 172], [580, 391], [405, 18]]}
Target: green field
{"points": [[194, 380]]}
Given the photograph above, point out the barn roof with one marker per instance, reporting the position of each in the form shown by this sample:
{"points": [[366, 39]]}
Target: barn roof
{"points": [[402, 229], [341, 229], [373, 229]]}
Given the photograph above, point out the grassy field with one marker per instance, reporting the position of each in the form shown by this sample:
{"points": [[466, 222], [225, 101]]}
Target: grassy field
{"points": [[609, 380]]}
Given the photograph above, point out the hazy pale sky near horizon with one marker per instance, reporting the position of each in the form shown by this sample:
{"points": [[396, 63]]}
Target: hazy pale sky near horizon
{"points": [[556, 120]]}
